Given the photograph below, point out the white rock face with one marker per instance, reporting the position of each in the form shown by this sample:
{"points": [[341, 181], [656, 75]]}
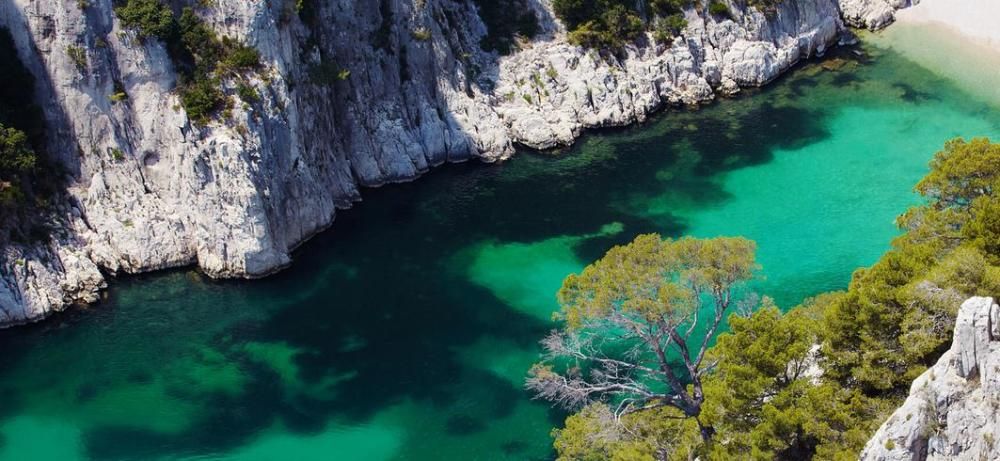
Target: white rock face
{"points": [[873, 14], [953, 411], [150, 190]]}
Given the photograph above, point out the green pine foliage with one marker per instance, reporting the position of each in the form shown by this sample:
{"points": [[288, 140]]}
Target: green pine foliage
{"points": [[897, 315], [149, 18], [247, 93], [27, 178], [816, 382], [16, 156], [203, 59], [79, 57], [611, 24]]}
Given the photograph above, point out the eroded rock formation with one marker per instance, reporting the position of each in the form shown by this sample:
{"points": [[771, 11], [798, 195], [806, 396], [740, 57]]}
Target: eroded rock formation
{"points": [[953, 410], [150, 190]]}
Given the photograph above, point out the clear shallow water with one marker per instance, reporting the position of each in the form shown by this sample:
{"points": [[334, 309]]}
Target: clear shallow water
{"points": [[405, 331], [973, 65]]}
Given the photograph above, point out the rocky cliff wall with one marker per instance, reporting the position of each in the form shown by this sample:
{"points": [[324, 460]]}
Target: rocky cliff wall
{"points": [[953, 410], [150, 190]]}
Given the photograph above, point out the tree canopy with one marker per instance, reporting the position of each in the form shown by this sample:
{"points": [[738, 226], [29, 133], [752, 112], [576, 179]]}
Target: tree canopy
{"points": [[631, 320], [896, 317], [810, 384]]}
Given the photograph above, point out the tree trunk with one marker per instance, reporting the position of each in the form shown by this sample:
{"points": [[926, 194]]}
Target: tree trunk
{"points": [[706, 431]]}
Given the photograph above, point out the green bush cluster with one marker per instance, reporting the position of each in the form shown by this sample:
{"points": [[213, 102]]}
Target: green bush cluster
{"points": [[118, 93], [202, 58], [16, 156], [27, 178], [421, 34], [17, 166], [79, 57], [506, 20], [610, 24], [896, 317], [717, 8], [247, 93], [149, 18], [816, 382]]}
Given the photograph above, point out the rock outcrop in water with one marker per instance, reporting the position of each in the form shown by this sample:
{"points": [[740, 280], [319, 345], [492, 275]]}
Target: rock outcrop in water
{"points": [[873, 14], [151, 190], [953, 411]]}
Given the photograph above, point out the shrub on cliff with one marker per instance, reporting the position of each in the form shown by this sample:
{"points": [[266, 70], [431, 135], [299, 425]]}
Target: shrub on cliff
{"points": [[199, 55], [239, 56], [16, 156], [719, 9], [767, 6], [27, 178], [202, 99], [668, 27], [149, 18], [611, 24], [17, 170]]}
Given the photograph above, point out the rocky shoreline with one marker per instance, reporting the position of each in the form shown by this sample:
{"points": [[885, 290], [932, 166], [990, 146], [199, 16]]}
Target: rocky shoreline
{"points": [[150, 190]]}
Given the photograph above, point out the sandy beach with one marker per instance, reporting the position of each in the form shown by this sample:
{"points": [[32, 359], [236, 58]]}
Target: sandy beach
{"points": [[975, 19], [956, 39]]}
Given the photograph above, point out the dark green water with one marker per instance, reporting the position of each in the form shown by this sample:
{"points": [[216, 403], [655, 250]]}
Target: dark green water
{"points": [[406, 330]]}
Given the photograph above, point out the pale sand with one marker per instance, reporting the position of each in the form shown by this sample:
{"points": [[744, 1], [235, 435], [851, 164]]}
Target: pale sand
{"points": [[976, 19], [956, 39]]}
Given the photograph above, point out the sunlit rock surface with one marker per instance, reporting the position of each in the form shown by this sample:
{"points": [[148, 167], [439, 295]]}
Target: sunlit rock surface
{"points": [[151, 190], [953, 411]]}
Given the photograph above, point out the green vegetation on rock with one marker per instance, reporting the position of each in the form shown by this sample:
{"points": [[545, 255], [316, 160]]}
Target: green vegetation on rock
{"points": [[767, 6], [79, 56], [717, 8], [149, 18], [203, 60], [813, 383], [27, 179], [897, 315], [610, 24], [630, 316], [506, 21]]}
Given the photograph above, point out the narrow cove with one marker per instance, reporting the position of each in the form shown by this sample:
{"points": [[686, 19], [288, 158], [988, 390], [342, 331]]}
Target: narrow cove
{"points": [[405, 331]]}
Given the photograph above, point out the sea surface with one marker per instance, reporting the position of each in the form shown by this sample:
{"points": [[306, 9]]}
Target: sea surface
{"points": [[405, 331]]}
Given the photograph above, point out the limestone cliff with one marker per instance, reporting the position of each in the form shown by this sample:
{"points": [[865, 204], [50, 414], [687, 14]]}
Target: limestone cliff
{"points": [[953, 411], [151, 190]]}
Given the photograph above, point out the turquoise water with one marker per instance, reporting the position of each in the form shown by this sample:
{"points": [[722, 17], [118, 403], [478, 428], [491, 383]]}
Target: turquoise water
{"points": [[405, 331]]}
